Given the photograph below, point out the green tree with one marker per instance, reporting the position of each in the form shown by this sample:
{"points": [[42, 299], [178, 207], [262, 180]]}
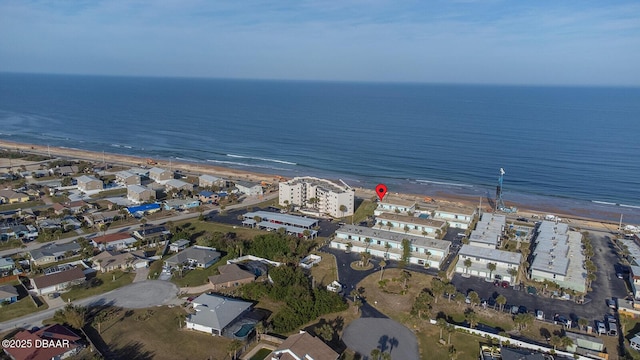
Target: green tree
{"points": [[474, 298], [582, 322], [555, 341], [471, 317], [389, 225], [406, 253], [405, 276], [467, 265], [422, 304], [375, 354], [343, 209], [382, 266], [437, 288], [450, 289], [566, 342], [492, 267], [326, 332], [368, 240], [501, 300], [233, 348], [442, 324]]}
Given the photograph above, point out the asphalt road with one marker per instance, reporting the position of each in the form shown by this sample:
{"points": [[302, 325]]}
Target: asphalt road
{"points": [[607, 285], [366, 334], [134, 296]]}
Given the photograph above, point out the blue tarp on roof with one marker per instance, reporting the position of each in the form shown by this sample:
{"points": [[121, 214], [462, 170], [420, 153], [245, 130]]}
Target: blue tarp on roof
{"points": [[143, 208], [206, 193]]}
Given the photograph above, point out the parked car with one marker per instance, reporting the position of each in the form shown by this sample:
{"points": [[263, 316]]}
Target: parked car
{"points": [[505, 284], [539, 314], [611, 303], [613, 329], [600, 328], [610, 318], [619, 276]]}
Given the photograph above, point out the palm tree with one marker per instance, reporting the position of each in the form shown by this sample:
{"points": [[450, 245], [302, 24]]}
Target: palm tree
{"points": [[406, 229], [582, 322], [354, 294], [450, 289], [389, 225], [450, 329], [501, 300], [565, 342], [386, 356], [555, 341], [437, 288], [382, 265], [467, 264], [357, 304], [343, 209], [375, 354], [233, 348], [364, 257], [471, 317], [405, 275], [492, 268], [368, 240], [442, 324], [387, 246]]}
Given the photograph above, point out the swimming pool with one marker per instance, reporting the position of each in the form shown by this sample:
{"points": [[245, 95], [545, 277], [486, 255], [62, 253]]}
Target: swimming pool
{"points": [[244, 330]]}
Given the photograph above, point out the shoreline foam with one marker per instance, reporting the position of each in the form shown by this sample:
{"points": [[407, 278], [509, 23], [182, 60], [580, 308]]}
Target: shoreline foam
{"points": [[467, 201]]}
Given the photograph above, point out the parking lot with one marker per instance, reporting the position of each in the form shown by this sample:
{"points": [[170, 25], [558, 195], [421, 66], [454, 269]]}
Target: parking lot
{"points": [[606, 285]]}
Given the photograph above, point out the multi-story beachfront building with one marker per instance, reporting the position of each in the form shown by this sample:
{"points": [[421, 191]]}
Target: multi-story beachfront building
{"points": [[412, 225], [488, 231], [388, 245], [557, 256], [160, 175], [324, 196], [89, 183], [127, 178], [140, 194]]}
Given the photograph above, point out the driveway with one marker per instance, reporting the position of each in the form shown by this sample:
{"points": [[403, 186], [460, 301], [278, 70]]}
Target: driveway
{"points": [[366, 334], [142, 274]]}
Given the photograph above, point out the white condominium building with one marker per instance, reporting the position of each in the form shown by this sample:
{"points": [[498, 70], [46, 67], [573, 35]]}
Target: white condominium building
{"points": [[323, 195]]}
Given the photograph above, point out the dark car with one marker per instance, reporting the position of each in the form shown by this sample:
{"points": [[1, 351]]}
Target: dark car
{"points": [[505, 284], [522, 219], [496, 282]]}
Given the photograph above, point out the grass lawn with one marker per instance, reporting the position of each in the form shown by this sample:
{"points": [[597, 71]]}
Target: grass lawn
{"points": [[108, 284], [155, 269], [154, 332], [364, 210], [261, 354], [398, 307], [325, 271], [630, 327], [200, 228], [109, 193], [20, 308], [23, 205]]}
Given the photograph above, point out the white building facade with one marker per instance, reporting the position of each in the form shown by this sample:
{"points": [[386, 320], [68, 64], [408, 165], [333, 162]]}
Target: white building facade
{"points": [[330, 198]]}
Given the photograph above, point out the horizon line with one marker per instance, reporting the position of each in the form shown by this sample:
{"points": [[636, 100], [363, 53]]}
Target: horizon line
{"points": [[333, 81]]}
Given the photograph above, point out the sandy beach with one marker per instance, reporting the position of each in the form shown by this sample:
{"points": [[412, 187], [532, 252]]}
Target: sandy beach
{"points": [[578, 216]]}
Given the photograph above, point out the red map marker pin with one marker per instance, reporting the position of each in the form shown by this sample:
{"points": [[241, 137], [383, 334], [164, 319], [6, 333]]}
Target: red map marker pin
{"points": [[381, 190]]}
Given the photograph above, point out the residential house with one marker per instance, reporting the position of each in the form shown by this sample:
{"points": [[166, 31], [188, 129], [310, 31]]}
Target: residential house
{"points": [[116, 241], [9, 196], [249, 188], [395, 205], [196, 256], [635, 342], [70, 223], [64, 170], [7, 264], [585, 344], [160, 175], [51, 334], [150, 233], [73, 207], [480, 257], [207, 181], [231, 275], [53, 252], [177, 185], [457, 218], [89, 183], [208, 197], [111, 260], [127, 178], [557, 256], [57, 281], [181, 204], [324, 196], [8, 294], [488, 231], [410, 224], [179, 245], [140, 194], [303, 346], [142, 210], [215, 313], [103, 217], [389, 245]]}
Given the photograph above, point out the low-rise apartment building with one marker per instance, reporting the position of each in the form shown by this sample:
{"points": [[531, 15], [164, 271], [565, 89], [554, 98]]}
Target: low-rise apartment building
{"points": [[410, 225], [457, 218], [88, 183], [388, 244], [557, 256], [127, 178], [479, 258], [488, 231], [395, 205]]}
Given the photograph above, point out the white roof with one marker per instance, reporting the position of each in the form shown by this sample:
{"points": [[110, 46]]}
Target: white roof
{"points": [[284, 219], [506, 257], [216, 311], [138, 189]]}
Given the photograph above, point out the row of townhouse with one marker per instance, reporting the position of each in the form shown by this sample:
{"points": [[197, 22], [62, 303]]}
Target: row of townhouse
{"points": [[458, 218], [389, 245]]}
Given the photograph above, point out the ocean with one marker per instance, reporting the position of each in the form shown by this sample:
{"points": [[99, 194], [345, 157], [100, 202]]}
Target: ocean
{"points": [[568, 147]]}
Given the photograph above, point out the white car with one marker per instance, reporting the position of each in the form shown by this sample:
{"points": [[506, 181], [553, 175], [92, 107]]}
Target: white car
{"points": [[600, 328]]}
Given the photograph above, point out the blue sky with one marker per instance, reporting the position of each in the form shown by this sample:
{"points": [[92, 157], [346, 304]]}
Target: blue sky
{"points": [[464, 41]]}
